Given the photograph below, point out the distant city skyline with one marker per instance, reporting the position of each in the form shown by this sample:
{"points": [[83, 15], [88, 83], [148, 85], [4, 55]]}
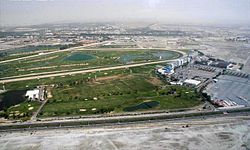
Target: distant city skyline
{"points": [[31, 12]]}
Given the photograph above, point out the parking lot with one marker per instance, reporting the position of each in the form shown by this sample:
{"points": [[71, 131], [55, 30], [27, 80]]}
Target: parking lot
{"points": [[198, 72], [231, 88]]}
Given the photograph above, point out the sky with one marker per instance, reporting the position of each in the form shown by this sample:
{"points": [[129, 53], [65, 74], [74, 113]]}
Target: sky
{"points": [[30, 12]]}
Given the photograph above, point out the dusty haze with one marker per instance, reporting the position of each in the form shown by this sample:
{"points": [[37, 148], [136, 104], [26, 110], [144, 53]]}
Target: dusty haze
{"points": [[27, 12]]}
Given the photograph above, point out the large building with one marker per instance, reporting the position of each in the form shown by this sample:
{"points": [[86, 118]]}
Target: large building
{"points": [[168, 70], [35, 94], [192, 82]]}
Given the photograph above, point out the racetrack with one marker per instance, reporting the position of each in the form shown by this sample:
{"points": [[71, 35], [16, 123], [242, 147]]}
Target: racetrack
{"points": [[82, 71], [73, 72], [48, 53]]}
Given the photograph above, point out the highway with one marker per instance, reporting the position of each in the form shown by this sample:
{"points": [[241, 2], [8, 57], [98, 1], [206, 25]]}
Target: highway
{"points": [[123, 120]]}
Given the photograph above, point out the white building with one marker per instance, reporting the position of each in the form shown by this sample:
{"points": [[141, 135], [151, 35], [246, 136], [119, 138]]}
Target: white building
{"points": [[36, 94], [166, 70], [192, 82]]}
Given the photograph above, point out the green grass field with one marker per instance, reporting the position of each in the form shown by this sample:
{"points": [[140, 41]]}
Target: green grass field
{"points": [[22, 111], [113, 94], [72, 60], [98, 92]]}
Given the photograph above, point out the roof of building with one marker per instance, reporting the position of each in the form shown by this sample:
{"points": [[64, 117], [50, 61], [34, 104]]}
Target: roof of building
{"points": [[31, 93], [166, 70], [192, 81]]}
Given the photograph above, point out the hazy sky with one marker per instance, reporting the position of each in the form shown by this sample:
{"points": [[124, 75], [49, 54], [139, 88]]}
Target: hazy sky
{"points": [[25, 12]]}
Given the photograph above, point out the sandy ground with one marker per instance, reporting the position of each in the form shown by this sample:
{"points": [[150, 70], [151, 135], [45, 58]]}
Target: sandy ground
{"points": [[209, 134], [229, 51]]}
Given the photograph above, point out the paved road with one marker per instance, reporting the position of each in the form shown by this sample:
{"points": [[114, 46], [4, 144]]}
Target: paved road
{"points": [[33, 118], [83, 71], [114, 120]]}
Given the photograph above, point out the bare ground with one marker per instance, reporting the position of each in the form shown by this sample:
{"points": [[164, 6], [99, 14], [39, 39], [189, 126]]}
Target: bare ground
{"points": [[214, 133]]}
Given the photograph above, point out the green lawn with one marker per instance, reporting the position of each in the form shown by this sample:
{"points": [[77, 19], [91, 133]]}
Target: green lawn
{"points": [[97, 92], [23, 110], [112, 96], [76, 95]]}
